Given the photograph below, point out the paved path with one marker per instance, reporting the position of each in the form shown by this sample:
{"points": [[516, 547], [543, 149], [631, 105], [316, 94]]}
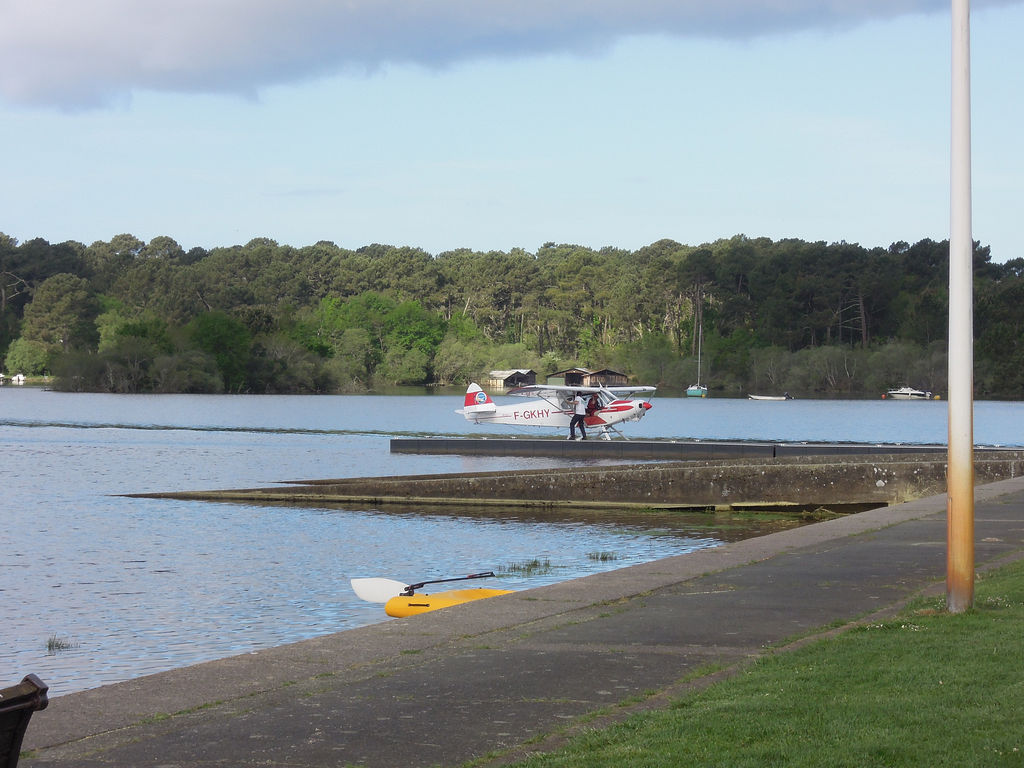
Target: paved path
{"points": [[483, 679]]}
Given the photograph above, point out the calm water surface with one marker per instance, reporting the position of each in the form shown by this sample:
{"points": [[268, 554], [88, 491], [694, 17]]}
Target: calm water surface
{"points": [[141, 585]]}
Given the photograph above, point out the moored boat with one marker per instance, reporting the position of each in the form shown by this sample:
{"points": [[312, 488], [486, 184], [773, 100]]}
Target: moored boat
{"points": [[786, 396], [907, 393], [698, 389]]}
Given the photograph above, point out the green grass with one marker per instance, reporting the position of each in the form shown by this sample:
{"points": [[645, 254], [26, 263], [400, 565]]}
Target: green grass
{"points": [[55, 643], [925, 689], [533, 567]]}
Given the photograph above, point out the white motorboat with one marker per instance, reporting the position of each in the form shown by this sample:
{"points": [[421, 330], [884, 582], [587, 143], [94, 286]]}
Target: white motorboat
{"points": [[907, 393], [786, 396]]}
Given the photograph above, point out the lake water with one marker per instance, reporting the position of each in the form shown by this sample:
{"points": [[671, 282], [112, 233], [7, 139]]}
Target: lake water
{"points": [[143, 585]]}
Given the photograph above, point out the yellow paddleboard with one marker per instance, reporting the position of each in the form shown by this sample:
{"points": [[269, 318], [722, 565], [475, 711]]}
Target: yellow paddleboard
{"points": [[410, 606]]}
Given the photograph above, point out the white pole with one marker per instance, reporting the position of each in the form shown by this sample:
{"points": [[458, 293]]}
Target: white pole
{"points": [[960, 474]]}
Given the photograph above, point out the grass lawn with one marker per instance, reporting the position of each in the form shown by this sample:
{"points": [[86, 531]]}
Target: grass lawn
{"points": [[925, 689]]}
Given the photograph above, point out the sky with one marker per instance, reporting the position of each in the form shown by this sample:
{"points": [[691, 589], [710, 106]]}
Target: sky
{"points": [[444, 124]]}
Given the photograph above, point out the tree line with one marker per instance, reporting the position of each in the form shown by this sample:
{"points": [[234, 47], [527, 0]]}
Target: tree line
{"points": [[769, 316]]}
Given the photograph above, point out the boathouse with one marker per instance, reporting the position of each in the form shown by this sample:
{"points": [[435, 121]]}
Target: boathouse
{"points": [[517, 377], [571, 377], [605, 378], [581, 377]]}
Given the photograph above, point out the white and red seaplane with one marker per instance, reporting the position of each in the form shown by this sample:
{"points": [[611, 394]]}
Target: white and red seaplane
{"points": [[553, 407]]}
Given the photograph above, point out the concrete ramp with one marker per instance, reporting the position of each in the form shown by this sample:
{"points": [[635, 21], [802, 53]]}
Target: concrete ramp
{"points": [[804, 481]]}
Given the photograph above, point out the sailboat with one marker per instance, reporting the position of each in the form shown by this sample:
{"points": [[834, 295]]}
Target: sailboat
{"points": [[698, 389]]}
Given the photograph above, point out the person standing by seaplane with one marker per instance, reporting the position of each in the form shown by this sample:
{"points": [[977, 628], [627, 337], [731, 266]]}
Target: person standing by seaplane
{"points": [[579, 416]]}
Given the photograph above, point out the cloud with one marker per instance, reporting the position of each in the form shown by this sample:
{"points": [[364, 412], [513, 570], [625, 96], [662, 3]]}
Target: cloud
{"points": [[77, 55]]}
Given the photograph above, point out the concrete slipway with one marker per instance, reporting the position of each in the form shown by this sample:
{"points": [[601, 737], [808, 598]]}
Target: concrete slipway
{"points": [[726, 475], [498, 678]]}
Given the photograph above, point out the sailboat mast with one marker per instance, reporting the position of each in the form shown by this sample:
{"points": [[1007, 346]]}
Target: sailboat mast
{"points": [[700, 340]]}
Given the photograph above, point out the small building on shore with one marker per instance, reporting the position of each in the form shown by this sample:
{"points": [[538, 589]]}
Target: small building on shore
{"points": [[606, 377], [517, 377], [571, 377], [581, 377]]}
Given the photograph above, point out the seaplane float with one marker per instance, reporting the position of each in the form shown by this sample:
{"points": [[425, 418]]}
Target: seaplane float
{"points": [[401, 600], [552, 407]]}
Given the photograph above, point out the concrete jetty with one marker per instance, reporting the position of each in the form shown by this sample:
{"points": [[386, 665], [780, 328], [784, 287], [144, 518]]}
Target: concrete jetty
{"points": [[494, 680], [645, 450], [813, 481]]}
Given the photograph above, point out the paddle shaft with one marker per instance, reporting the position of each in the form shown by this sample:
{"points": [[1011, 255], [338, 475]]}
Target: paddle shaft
{"points": [[409, 590]]}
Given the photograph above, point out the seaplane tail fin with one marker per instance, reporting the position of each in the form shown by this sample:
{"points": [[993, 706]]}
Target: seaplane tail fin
{"points": [[477, 401]]}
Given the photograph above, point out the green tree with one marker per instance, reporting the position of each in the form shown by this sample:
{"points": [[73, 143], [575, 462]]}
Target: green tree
{"points": [[654, 360], [892, 365], [353, 361], [458, 361], [79, 371], [190, 372], [409, 326], [999, 324], [15, 289], [769, 367], [279, 365], [228, 342], [404, 366], [27, 356], [127, 364], [924, 295], [161, 247], [62, 314]]}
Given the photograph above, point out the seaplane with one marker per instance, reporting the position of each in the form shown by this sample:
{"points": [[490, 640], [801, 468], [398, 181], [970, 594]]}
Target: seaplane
{"points": [[553, 407]]}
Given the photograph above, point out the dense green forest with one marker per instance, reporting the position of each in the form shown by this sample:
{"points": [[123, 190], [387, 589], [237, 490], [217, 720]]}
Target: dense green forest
{"points": [[788, 315]]}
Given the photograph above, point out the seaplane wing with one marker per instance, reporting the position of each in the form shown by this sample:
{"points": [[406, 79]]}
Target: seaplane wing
{"points": [[554, 391], [553, 407]]}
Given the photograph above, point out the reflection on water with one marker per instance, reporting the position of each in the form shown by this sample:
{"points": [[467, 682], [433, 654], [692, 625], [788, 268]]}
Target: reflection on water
{"points": [[141, 585]]}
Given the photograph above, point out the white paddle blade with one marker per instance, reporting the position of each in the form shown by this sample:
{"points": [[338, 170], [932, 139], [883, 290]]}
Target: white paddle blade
{"points": [[377, 590]]}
